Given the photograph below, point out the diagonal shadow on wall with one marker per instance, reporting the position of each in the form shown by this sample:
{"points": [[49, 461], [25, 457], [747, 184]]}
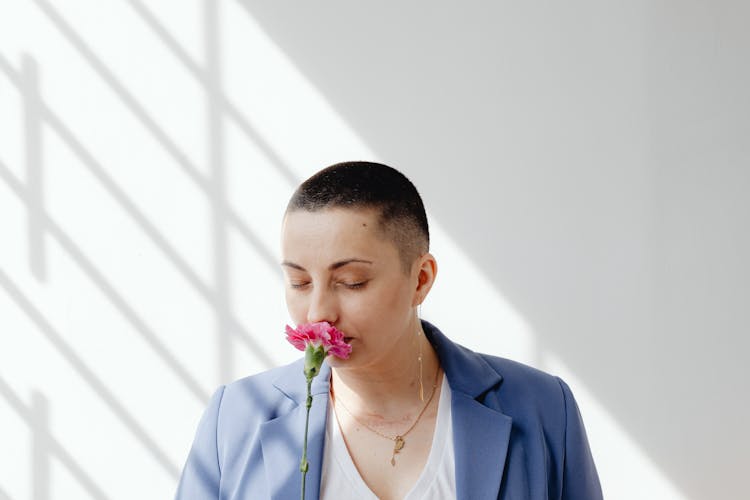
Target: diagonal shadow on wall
{"points": [[80, 367], [218, 105], [99, 173], [97, 277], [231, 110], [51, 445]]}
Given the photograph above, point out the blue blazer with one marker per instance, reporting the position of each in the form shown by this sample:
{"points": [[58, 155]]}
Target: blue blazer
{"points": [[517, 434]]}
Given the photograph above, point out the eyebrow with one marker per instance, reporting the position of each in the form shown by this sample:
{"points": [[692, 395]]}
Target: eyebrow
{"points": [[332, 267]]}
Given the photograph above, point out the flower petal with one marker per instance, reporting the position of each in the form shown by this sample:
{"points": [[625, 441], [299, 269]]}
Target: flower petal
{"points": [[319, 334]]}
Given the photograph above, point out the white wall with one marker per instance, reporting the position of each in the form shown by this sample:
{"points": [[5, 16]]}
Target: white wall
{"points": [[585, 164]]}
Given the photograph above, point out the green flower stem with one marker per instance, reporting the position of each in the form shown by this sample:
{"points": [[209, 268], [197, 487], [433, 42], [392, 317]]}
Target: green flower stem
{"points": [[304, 465], [314, 357]]}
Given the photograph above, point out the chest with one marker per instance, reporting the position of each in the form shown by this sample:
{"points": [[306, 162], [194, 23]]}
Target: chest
{"points": [[366, 462], [389, 468]]}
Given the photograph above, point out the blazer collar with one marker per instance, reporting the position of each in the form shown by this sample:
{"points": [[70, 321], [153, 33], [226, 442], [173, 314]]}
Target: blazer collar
{"points": [[481, 432], [467, 371]]}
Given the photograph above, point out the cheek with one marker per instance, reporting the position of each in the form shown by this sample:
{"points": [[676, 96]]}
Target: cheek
{"points": [[386, 304], [296, 306]]}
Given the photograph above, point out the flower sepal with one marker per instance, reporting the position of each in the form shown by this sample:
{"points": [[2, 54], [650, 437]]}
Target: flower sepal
{"points": [[314, 357]]}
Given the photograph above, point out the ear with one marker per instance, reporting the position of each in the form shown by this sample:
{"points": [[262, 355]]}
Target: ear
{"points": [[426, 270]]}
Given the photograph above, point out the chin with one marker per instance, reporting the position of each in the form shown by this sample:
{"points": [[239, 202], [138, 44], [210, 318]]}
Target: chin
{"points": [[352, 361], [335, 362]]}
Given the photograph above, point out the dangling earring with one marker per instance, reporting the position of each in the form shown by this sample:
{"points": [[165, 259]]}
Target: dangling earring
{"points": [[419, 359]]}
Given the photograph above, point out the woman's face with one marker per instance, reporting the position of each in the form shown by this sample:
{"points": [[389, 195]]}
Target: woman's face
{"points": [[340, 268]]}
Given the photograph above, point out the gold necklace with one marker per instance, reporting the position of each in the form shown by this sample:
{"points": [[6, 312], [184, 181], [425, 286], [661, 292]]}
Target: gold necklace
{"points": [[398, 440]]}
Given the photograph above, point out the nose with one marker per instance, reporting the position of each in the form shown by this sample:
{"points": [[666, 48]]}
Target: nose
{"points": [[322, 306]]}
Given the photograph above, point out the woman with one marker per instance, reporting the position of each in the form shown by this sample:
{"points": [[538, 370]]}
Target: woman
{"points": [[409, 414]]}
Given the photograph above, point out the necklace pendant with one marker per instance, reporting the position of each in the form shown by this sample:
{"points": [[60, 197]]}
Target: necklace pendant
{"points": [[398, 445]]}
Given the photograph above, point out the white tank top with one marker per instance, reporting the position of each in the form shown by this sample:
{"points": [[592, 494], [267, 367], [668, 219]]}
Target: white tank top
{"points": [[340, 479]]}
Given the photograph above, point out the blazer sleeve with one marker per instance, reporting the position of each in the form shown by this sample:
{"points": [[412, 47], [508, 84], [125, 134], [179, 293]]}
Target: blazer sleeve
{"points": [[202, 473], [580, 480]]}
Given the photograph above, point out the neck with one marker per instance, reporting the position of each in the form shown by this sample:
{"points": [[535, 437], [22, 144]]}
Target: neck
{"points": [[392, 385]]}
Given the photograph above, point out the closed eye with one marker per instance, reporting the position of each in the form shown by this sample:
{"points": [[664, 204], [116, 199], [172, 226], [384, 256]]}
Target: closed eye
{"points": [[299, 285], [355, 286]]}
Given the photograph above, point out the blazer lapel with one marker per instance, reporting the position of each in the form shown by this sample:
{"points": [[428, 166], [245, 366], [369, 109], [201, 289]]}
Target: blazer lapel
{"points": [[481, 432], [282, 438], [480, 442]]}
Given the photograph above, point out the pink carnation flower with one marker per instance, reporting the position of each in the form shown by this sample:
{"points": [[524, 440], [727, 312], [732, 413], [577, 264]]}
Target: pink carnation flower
{"points": [[321, 334]]}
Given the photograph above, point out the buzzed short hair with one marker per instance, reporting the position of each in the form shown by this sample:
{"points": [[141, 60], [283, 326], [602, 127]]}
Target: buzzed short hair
{"points": [[367, 185]]}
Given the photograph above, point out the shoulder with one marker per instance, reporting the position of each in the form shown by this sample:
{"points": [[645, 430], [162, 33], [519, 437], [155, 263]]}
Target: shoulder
{"points": [[521, 378], [265, 380], [257, 398], [522, 392], [527, 391], [476, 373]]}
